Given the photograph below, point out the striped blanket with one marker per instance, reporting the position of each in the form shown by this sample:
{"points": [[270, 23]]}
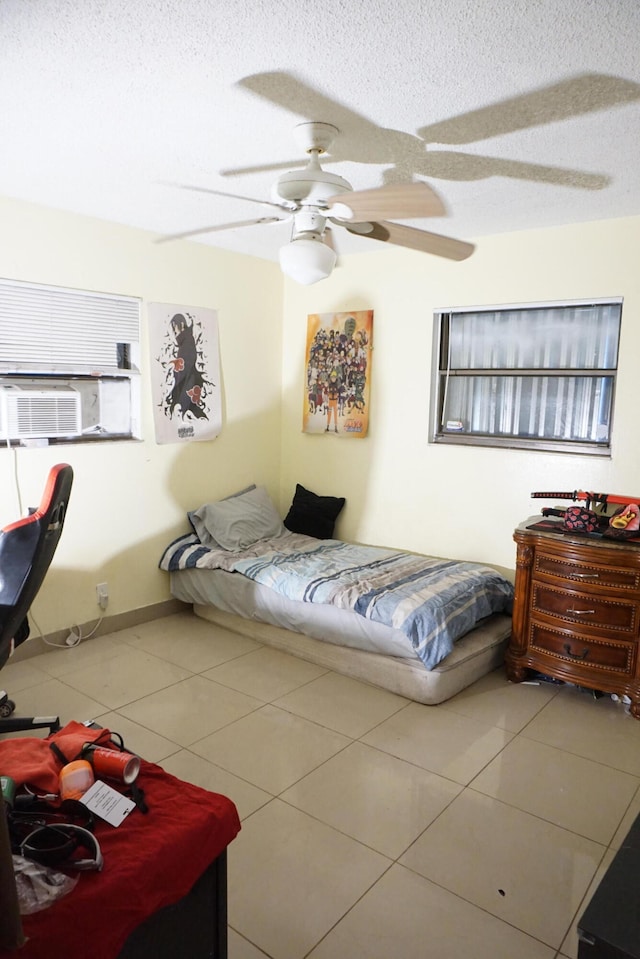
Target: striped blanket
{"points": [[432, 601]]}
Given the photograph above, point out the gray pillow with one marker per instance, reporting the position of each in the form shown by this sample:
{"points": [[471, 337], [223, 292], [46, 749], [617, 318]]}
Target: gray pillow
{"points": [[239, 521], [196, 518]]}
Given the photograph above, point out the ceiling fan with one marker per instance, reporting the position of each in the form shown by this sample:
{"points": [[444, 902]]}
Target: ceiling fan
{"points": [[315, 200]]}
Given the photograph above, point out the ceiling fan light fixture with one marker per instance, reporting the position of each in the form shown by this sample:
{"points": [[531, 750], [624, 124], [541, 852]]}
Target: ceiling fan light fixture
{"points": [[307, 260]]}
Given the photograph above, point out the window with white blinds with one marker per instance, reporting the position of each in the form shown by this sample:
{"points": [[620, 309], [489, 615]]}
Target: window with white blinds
{"points": [[55, 330], [69, 364], [538, 376]]}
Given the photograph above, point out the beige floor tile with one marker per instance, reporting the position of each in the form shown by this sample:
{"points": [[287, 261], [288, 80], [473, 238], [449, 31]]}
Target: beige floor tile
{"points": [[343, 704], [373, 797], [194, 769], [192, 643], [183, 622], [89, 653], [552, 774], [18, 676], [265, 673], [239, 948], [55, 698], [521, 869], [138, 739], [291, 878], [125, 678], [407, 917], [444, 742], [270, 748], [597, 729], [497, 702], [569, 947], [190, 710], [578, 794]]}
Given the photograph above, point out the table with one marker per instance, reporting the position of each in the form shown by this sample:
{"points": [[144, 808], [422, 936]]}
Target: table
{"points": [[163, 881], [609, 928]]}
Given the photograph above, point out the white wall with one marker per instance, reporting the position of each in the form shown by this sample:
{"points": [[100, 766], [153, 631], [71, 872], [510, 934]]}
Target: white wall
{"points": [[460, 502], [129, 499]]}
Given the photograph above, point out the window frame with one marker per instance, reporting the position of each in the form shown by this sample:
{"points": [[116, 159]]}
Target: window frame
{"points": [[441, 374]]}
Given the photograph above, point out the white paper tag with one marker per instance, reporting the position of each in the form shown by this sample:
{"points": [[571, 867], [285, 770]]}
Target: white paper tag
{"points": [[107, 803]]}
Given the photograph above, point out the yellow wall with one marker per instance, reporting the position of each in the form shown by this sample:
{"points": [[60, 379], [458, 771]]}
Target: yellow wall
{"points": [[129, 499], [460, 502]]}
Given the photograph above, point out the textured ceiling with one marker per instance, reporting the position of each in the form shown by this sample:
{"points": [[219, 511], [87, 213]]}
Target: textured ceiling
{"points": [[521, 115]]}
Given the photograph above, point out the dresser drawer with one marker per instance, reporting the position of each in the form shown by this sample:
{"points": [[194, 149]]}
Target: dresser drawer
{"points": [[587, 574], [600, 612], [586, 653]]}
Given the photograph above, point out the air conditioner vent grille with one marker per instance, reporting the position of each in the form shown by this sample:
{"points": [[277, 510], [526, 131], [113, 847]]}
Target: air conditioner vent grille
{"points": [[39, 413]]}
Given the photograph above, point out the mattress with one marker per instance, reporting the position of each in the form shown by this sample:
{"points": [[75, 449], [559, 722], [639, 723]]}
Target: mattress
{"points": [[339, 639]]}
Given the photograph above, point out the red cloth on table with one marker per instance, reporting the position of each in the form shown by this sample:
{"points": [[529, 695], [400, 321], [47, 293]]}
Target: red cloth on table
{"points": [[30, 761], [150, 861]]}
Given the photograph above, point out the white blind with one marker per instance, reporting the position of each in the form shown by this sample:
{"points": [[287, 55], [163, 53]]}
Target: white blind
{"points": [[49, 329], [578, 337], [512, 349]]}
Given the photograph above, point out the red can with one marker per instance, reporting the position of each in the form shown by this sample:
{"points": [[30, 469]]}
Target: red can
{"points": [[112, 764]]}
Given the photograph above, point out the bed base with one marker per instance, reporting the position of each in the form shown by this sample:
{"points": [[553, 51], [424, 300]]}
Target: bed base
{"points": [[475, 655]]}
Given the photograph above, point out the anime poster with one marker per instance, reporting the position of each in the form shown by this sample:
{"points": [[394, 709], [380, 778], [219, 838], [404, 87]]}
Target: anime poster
{"points": [[338, 373], [185, 372]]}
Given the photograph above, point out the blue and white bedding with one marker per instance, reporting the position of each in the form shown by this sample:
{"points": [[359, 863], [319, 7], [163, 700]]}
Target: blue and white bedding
{"points": [[433, 602]]}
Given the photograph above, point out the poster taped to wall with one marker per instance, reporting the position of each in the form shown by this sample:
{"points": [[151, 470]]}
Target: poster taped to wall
{"points": [[185, 372], [338, 373]]}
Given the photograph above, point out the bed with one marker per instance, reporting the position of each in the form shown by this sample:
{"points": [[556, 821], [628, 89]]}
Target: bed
{"points": [[420, 626]]}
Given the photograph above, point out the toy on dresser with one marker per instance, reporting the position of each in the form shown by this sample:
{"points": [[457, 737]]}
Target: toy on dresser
{"points": [[623, 523]]}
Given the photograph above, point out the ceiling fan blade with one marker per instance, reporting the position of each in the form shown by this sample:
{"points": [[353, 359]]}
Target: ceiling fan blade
{"points": [[234, 196], [359, 228], [420, 240], [220, 226], [397, 200], [262, 167]]}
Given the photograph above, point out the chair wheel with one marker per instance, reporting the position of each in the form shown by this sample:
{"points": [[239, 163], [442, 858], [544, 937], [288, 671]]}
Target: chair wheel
{"points": [[7, 708]]}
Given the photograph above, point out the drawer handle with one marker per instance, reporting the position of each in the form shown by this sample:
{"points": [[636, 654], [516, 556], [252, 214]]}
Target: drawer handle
{"points": [[586, 575], [582, 655], [581, 612]]}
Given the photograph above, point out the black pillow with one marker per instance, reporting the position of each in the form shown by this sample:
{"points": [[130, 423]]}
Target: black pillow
{"points": [[313, 515]]}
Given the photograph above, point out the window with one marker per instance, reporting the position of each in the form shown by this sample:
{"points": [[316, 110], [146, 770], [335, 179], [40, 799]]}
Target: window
{"points": [[536, 376], [69, 365]]}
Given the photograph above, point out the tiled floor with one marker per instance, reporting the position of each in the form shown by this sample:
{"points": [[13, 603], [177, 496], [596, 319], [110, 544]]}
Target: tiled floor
{"points": [[372, 826]]}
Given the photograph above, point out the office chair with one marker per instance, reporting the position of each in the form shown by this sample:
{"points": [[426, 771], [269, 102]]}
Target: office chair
{"points": [[26, 550]]}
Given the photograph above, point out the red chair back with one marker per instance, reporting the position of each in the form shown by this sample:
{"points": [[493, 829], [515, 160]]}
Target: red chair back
{"points": [[26, 550]]}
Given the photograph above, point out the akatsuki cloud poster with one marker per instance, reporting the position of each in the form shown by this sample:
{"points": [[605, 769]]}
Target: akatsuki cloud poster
{"points": [[185, 372], [338, 373]]}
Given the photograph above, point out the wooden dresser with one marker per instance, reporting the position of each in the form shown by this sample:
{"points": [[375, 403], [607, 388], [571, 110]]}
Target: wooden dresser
{"points": [[576, 612]]}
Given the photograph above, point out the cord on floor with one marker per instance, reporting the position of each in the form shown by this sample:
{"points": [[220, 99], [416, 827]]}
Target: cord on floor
{"points": [[74, 638]]}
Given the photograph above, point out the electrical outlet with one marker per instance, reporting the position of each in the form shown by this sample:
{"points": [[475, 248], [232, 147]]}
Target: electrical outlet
{"points": [[102, 594]]}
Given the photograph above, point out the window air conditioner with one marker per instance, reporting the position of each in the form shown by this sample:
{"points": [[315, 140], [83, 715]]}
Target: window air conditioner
{"points": [[39, 413]]}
